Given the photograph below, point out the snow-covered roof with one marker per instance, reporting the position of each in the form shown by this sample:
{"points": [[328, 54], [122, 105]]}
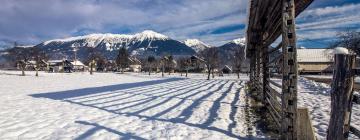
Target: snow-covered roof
{"points": [[77, 63], [55, 61], [315, 55], [227, 67]]}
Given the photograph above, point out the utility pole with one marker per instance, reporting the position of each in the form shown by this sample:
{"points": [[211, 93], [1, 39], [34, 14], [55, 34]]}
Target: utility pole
{"points": [[75, 49]]}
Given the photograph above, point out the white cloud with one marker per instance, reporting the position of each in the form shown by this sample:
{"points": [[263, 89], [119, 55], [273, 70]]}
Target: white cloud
{"points": [[324, 23], [330, 10], [38, 20]]}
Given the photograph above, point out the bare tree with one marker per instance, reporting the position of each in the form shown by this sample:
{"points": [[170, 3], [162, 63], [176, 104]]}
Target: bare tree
{"points": [[21, 56], [183, 65], [238, 58], [170, 63], [211, 60], [163, 62], [123, 59], [150, 62], [349, 39], [38, 56], [93, 57]]}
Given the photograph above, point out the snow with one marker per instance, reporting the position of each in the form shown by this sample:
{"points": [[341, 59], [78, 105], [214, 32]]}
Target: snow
{"points": [[77, 63], [151, 35], [94, 39], [341, 50], [196, 44], [316, 97], [138, 106], [25, 46], [121, 106], [240, 41], [315, 55]]}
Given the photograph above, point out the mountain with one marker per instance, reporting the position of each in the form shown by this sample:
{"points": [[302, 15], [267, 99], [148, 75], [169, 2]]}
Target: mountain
{"points": [[196, 45], [141, 44], [226, 51]]}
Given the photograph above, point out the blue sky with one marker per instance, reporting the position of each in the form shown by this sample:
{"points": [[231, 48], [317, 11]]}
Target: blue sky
{"points": [[213, 21]]}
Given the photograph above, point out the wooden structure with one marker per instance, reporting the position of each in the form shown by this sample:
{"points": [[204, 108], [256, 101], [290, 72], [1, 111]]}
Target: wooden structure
{"points": [[315, 60], [268, 19], [342, 98]]}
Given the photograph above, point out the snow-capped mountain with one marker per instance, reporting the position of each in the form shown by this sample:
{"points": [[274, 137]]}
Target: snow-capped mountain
{"points": [[239, 41], [227, 50], [196, 44], [141, 44], [234, 43]]}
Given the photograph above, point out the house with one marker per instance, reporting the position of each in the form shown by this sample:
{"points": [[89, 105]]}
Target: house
{"points": [[226, 69], [59, 66], [78, 65], [315, 60], [197, 64], [135, 64], [31, 65], [110, 65]]}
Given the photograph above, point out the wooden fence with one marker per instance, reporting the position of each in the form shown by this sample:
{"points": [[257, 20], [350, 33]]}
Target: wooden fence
{"points": [[342, 98], [274, 71]]}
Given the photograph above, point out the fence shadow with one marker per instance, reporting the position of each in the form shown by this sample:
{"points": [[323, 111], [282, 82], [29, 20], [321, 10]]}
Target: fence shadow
{"points": [[94, 90], [97, 127], [161, 97]]}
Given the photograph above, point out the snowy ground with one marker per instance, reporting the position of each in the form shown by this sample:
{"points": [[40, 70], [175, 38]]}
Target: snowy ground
{"points": [[126, 106], [316, 97], [138, 106]]}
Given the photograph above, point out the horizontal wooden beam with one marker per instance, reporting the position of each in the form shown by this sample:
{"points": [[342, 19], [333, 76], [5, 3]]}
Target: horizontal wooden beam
{"points": [[355, 131], [273, 91], [275, 84], [276, 48]]}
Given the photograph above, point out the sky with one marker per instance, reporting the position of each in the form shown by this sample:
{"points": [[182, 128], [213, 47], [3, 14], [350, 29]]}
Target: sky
{"points": [[214, 22]]}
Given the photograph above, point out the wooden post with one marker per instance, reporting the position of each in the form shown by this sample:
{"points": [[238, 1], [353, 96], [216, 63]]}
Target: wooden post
{"points": [[341, 97], [290, 72], [266, 75], [257, 76], [92, 63], [252, 70]]}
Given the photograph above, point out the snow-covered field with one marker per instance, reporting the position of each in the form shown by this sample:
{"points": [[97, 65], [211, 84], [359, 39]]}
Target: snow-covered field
{"points": [[126, 106], [138, 106], [316, 97]]}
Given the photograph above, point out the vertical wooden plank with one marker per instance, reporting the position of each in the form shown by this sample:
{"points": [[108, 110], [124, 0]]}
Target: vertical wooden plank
{"points": [[290, 73], [266, 74], [304, 125], [257, 70], [252, 70], [341, 97]]}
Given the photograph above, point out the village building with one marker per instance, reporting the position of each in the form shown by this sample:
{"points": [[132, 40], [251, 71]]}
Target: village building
{"points": [[226, 69], [135, 65], [31, 65], [78, 65], [315, 60], [59, 66], [110, 65], [197, 64]]}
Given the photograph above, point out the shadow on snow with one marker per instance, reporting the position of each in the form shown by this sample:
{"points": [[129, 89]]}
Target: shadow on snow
{"points": [[134, 99]]}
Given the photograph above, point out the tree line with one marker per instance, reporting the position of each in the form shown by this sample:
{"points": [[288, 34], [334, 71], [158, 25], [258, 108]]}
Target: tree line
{"points": [[207, 60]]}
